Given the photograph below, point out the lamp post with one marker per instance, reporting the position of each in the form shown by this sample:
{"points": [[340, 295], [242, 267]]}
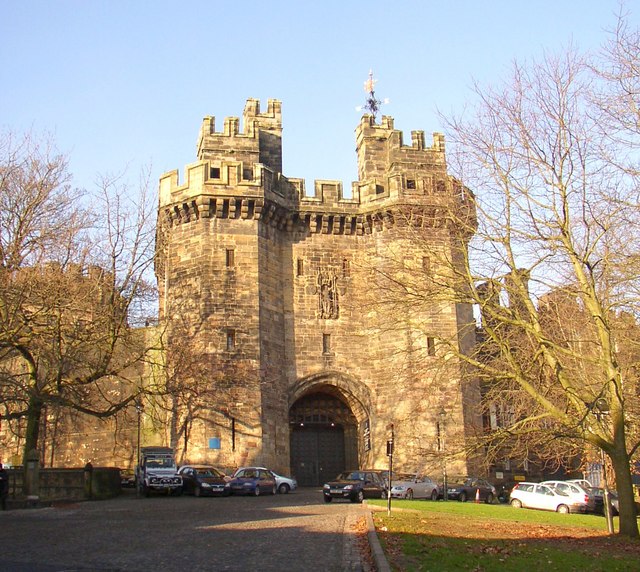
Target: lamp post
{"points": [[139, 410], [600, 408], [390, 445], [442, 415]]}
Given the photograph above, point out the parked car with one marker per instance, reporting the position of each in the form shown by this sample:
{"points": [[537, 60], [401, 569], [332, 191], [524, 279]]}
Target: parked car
{"points": [[581, 500], [285, 484], [598, 498], [383, 474], [414, 486], [204, 480], [471, 488], [127, 478], [354, 486], [253, 481], [542, 497]]}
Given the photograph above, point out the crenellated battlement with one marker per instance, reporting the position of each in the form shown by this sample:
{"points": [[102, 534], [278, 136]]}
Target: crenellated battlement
{"points": [[238, 174], [383, 157], [259, 142]]}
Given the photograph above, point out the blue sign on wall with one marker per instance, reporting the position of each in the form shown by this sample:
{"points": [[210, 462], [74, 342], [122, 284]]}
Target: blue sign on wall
{"points": [[214, 443]]}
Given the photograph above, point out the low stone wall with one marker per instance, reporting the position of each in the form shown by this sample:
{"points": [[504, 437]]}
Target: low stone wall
{"points": [[87, 483]]}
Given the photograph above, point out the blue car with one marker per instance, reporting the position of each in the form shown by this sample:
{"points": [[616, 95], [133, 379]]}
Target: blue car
{"points": [[253, 481]]}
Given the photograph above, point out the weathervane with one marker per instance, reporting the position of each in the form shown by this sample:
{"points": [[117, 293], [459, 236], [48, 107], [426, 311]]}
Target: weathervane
{"points": [[372, 105]]}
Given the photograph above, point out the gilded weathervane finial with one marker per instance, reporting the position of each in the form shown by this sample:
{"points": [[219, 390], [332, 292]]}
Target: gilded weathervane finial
{"points": [[372, 104]]}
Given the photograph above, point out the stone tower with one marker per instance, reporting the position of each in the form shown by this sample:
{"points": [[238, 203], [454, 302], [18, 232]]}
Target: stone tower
{"points": [[273, 286]]}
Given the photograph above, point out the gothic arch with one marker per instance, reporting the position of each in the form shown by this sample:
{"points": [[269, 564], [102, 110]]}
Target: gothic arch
{"points": [[356, 393]]}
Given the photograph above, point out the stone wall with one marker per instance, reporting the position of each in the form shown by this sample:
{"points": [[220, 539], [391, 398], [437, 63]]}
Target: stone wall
{"points": [[68, 484]]}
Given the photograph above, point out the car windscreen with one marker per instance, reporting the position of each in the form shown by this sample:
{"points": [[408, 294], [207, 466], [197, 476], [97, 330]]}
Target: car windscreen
{"points": [[210, 473], [352, 476], [160, 462]]}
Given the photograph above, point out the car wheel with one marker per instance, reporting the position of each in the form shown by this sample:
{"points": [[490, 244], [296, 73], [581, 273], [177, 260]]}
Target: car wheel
{"points": [[256, 491], [515, 503], [489, 498], [434, 495], [462, 497], [327, 499], [409, 494], [563, 509], [283, 489], [359, 497], [197, 491]]}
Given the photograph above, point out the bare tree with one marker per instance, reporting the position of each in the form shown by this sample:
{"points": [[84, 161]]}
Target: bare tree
{"points": [[73, 284], [191, 387], [553, 216], [552, 266]]}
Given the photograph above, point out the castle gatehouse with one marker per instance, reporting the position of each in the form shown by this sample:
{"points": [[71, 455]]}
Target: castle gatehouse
{"points": [[274, 290]]}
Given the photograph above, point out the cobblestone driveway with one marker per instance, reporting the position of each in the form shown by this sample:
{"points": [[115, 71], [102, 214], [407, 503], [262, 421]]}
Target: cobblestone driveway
{"points": [[294, 532]]}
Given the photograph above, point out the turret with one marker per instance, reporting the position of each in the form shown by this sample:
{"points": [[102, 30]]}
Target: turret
{"points": [[260, 142], [388, 166]]}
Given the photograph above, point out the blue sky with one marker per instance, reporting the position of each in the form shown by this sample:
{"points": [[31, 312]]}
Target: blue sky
{"points": [[122, 84]]}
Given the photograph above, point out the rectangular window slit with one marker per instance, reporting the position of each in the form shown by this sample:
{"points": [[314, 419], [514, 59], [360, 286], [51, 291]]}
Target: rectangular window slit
{"points": [[231, 339], [326, 343]]}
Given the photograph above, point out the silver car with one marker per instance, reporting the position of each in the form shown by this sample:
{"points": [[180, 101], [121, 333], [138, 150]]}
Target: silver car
{"points": [[543, 497], [414, 486], [580, 499], [283, 484]]}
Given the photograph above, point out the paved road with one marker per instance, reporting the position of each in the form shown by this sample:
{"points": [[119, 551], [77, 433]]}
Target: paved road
{"points": [[294, 532]]}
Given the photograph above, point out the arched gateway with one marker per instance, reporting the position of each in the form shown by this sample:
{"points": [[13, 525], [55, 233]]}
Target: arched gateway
{"points": [[327, 413]]}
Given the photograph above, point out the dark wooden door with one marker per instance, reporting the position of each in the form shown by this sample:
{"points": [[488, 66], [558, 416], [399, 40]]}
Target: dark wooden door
{"points": [[317, 454]]}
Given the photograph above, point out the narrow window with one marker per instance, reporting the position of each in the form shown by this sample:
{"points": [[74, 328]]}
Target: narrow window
{"points": [[231, 340], [326, 343], [431, 346], [230, 257], [379, 189], [411, 183], [300, 267], [215, 173], [345, 267]]}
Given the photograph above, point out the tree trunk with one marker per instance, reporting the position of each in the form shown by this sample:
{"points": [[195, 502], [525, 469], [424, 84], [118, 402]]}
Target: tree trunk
{"points": [[624, 486], [32, 436], [173, 423]]}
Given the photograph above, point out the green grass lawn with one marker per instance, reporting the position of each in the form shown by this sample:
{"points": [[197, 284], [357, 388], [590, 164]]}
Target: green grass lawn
{"points": [[443, 536]]}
